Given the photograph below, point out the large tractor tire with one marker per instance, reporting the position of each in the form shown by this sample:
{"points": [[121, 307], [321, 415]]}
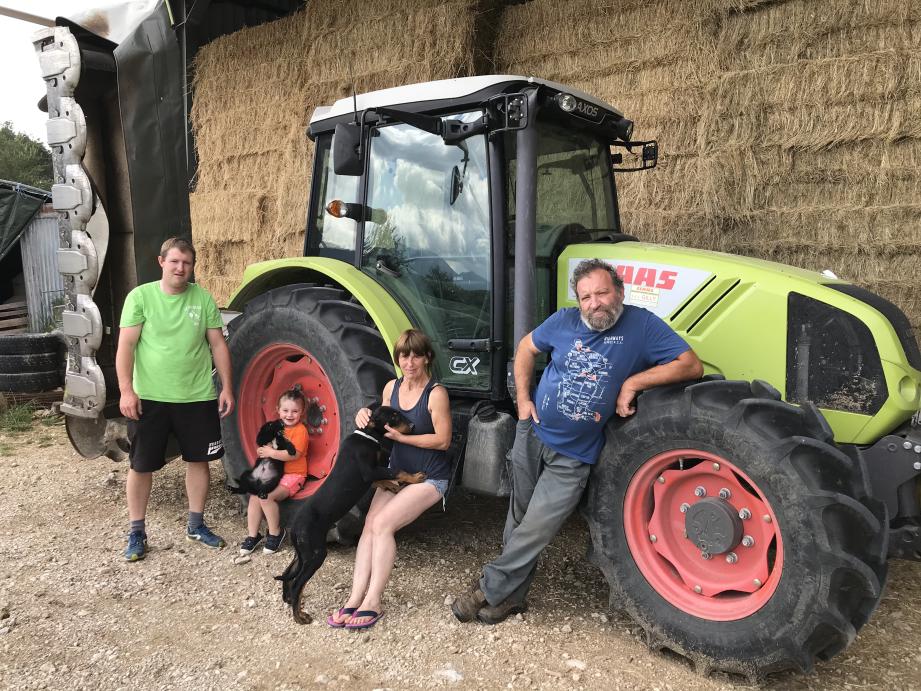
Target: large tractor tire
{"points": [[318, 337], [733, 531]]}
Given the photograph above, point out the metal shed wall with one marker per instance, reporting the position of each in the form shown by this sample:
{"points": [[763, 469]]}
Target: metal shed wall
{"points": [[44, 284]]}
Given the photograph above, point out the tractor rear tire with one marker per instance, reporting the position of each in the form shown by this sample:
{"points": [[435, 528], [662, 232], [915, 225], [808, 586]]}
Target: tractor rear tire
{"points": [[316, 336], [811, 566]]}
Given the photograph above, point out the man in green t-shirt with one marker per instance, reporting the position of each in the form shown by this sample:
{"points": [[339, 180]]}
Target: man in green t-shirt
{"points": [[169, 331]]}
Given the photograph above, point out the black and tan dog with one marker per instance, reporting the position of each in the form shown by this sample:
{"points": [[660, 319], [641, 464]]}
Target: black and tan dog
{"points": [[361, 462], [263, 477]]}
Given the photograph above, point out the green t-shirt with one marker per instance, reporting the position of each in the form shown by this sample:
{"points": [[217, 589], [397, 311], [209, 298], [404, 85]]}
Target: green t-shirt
{"points": [[172, 360]]}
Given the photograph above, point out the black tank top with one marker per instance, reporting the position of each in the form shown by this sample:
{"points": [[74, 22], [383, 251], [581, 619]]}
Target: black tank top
{"points": [[412, 459]]}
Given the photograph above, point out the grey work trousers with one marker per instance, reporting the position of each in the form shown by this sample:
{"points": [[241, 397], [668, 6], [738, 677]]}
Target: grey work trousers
{"points": [[546, 487]]}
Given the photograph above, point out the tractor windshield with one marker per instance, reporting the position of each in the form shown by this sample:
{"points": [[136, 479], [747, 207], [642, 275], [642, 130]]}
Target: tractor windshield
{"points": [[428, 238]]}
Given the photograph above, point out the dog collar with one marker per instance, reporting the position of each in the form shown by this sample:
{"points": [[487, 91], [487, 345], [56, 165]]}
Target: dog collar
{"points": [[367, 436]]}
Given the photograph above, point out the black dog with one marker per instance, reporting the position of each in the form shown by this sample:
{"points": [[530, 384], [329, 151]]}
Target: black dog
{"points": [[266, 474], [360, 463]]}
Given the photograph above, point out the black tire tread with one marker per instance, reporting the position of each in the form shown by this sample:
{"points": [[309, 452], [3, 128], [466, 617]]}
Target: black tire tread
{"points": [[335, 310], [839, 481], [25, 344]]}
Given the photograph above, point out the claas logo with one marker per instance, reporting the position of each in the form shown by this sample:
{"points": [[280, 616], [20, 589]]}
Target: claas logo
{"points": [[647, 276]]}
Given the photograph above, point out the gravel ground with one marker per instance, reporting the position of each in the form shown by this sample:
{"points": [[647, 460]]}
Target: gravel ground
{"points": [[74, 615]]}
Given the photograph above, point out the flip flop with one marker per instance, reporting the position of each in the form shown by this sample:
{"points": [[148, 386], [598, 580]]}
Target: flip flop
{"points": [[368, 624], [339, 624]]}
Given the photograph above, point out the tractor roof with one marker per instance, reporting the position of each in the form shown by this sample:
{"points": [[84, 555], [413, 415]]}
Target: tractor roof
{"points": [[444, 93]]}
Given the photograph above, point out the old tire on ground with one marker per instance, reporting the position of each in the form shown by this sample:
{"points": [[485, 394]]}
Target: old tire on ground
{"points": [[31, 362], [30, 382], [797, 548], [318, 337], [25, 344]]}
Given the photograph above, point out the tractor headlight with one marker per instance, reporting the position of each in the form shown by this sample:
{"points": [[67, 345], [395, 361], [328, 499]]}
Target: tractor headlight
{"points": [[566, 102]]}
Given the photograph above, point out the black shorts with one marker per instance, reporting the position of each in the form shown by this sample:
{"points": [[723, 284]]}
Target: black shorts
{"points": [[196, 426]]}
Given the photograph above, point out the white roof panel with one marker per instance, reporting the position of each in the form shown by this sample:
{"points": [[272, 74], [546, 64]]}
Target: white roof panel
{"points": [[437, 91]]}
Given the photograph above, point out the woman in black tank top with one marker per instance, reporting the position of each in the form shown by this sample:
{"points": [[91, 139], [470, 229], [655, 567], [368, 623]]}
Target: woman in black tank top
{"points": [[426, 403]]}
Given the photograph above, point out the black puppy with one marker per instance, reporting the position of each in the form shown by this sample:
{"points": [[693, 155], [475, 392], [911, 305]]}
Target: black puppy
{"points": [[361, 462], [266, 474]]}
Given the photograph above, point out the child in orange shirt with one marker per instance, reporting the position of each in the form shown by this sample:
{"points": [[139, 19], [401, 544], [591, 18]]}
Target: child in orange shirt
{"points": [[291, 405]]}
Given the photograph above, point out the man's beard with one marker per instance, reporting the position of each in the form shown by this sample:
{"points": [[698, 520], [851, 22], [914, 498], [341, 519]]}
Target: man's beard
{"points": [[602, 319]]}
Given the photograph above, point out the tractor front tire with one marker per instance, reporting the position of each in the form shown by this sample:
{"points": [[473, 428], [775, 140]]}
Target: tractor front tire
{"points": [[316, 336], [733, 531]]}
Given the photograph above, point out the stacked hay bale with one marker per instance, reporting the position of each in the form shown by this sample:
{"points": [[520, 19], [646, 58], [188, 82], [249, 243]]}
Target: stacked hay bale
{"points": [[788, 129], [816, 139], [255, 91], [653, 60]]}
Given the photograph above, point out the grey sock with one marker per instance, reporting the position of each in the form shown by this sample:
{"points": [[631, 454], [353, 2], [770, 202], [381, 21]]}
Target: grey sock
{"points": [[196, 520], [138, 526]]}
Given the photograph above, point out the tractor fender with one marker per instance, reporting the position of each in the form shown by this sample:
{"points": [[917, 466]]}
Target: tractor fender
{"points": [[386, 313]]}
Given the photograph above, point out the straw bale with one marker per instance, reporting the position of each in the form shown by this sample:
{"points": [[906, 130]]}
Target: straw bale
{"points": [[547, 27], [785, 32], [254, 93], [881, 76]]}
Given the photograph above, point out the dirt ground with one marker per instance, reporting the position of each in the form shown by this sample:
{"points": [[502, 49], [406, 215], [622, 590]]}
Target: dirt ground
{"points": [[74, 615]]}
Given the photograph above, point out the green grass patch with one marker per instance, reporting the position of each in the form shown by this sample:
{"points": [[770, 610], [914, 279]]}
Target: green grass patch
{"points": [[17, 418]]}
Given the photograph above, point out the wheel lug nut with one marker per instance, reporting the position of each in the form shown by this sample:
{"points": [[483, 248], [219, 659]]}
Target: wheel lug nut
{"points": [[716, 466], [748, 540], [653, 538], [767, 519], [725, 493], [325, 421], [661, 480], [322, 408], [706, 555], [732, 558], [906, 445], [698, 589], [684, 507], [745, 514], [700, 491], [757, 582]]}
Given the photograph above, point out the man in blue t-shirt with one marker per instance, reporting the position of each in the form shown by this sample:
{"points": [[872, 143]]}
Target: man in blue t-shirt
{"points": [[601, 356]]}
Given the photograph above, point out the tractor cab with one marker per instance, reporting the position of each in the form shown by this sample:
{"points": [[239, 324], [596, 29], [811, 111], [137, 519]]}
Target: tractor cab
{"points": [[423, 189]]}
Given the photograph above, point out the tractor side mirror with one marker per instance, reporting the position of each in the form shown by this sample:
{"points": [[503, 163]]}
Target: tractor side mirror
{"points": [[648, 156], [347, 151]]}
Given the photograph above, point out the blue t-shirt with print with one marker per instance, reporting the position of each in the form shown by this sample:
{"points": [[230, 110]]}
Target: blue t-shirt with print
{"points": [[577, 393]]}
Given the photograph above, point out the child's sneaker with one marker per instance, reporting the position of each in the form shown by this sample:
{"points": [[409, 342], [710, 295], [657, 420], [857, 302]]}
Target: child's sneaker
{"points": [[248, 546], [206, 537], [273, 542], [137, 546]]}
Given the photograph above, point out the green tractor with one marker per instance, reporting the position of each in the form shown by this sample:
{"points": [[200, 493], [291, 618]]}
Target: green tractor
{"points": [[743, 520]]}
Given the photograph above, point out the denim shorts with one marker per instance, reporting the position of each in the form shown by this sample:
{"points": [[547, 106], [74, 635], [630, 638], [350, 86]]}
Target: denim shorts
{"points": [[440, 485]]}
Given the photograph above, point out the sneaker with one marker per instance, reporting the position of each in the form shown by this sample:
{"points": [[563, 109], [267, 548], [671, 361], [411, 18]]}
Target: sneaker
{"points": [[205, 536], [137, 546], [248, 546], [273, 542]]}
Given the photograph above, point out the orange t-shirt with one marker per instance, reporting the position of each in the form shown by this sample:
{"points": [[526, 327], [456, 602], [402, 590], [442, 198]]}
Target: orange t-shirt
{"points": [[298, 436]]}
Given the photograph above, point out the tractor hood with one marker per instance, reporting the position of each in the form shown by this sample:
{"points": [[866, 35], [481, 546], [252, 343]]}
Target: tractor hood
{"points": [[812, 337]]}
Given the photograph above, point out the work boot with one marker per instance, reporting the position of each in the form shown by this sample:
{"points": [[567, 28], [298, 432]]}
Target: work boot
{"points": [[467, 605], [493, 615]]}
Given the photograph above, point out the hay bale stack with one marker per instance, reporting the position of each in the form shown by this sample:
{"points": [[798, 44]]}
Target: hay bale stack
{"points": [[255, 91], [816, 142], [653, 60], [788, 129]]}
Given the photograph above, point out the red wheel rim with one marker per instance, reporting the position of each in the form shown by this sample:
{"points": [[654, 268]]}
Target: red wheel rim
{"points": [[714, 588], [272, 371]]}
